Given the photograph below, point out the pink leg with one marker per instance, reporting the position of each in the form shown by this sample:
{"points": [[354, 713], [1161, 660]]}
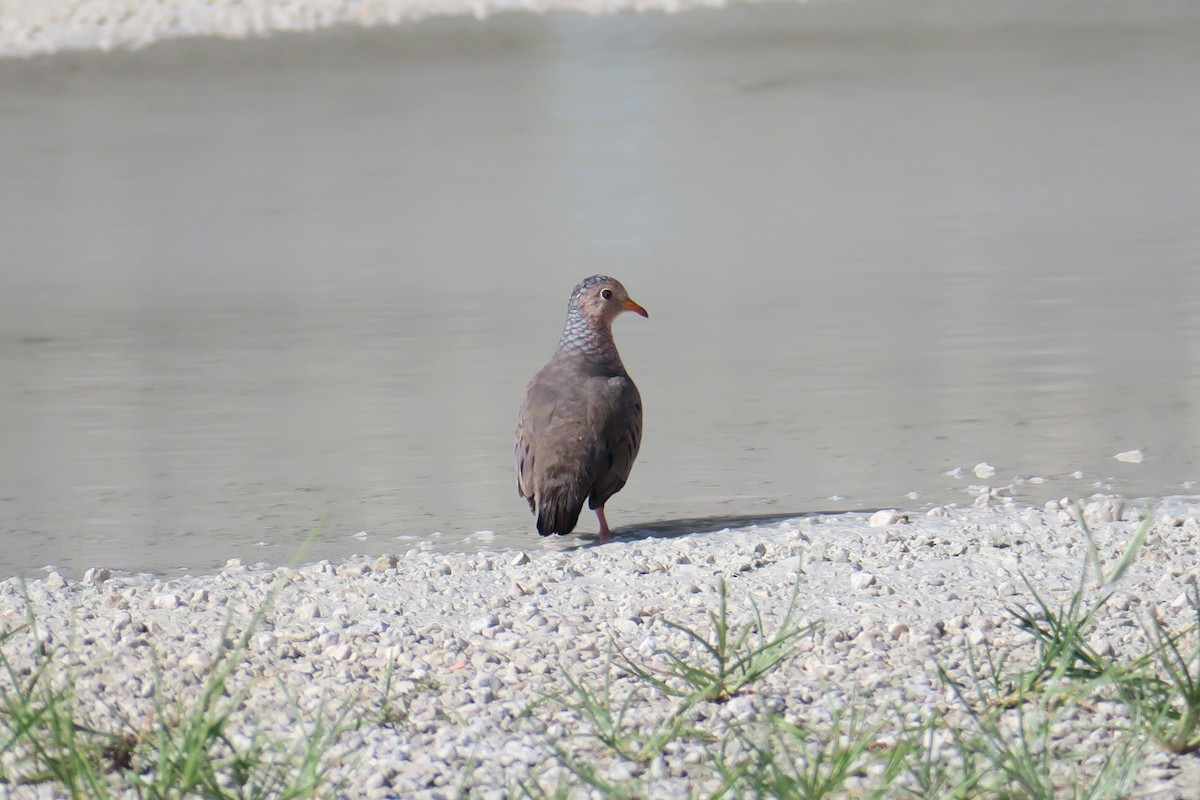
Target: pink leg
{"points": [[604, 531]]}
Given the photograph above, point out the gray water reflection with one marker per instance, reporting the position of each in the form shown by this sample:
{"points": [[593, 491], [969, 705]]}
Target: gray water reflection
{"points": [[250, 287]]}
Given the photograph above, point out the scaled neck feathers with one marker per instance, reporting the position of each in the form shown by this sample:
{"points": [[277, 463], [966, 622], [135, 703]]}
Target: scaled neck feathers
{"points": [[590, 339]]}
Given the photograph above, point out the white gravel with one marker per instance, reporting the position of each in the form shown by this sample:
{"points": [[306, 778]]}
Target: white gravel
{"points": [[31, 27], [475, 640]]}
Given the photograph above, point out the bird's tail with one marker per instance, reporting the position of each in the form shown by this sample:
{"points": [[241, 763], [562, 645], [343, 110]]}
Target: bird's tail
{"points": [[558, 509]]}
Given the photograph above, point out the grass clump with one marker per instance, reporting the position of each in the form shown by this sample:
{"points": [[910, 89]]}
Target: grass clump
{"points": [[728, 659], [188, 749], [1165, 685], [1011, 745], [39, 734], [1061, 633], [801, 761], [192, 750], [1159, 686]]}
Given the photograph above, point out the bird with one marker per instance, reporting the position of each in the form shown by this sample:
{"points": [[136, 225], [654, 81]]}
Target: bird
{"points": [[580, 422]]}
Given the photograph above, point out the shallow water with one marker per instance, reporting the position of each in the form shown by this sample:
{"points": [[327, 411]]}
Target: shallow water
{"points": [[253, 288]]}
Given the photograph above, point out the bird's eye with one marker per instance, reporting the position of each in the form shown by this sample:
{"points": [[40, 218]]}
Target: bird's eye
{"points": [[606, 294]]}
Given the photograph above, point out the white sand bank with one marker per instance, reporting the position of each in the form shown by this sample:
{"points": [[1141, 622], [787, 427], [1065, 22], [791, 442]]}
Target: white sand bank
{"points": [[30, 27]]}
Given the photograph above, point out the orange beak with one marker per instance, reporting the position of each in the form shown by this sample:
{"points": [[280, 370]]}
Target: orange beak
{"points": [[629, 305]]}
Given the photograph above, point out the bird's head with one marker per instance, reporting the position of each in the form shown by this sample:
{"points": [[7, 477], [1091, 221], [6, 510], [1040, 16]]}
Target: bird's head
{"points": [[601, 298]]}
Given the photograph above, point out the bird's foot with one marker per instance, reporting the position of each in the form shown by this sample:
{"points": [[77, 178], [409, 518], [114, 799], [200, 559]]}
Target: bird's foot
{"points": [[604, 531]]}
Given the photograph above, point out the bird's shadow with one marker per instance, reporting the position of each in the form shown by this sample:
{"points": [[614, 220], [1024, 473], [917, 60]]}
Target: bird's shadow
{"points": [[698, 526]]}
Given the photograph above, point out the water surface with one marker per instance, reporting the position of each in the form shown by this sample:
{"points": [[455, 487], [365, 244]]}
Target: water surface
{"points": [[250, 288]]}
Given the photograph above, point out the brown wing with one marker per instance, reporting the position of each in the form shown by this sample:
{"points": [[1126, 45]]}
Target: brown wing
{"points": [[553, 446], [525, 449], [524, 460], [620, 437]]}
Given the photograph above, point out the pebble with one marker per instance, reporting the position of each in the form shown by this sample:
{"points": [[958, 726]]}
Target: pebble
{"points": [[96, 575], [353, 571], [861, 580], [483, 623], [339, 652], [885, 517], [197, 660]]}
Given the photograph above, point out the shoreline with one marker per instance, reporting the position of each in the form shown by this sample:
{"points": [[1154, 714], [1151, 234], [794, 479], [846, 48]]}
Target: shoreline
{"points": [[35, 28], [466, 644]]}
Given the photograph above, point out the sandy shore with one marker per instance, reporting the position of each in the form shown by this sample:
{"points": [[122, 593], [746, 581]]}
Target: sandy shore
{"points": [[475, 641]]}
